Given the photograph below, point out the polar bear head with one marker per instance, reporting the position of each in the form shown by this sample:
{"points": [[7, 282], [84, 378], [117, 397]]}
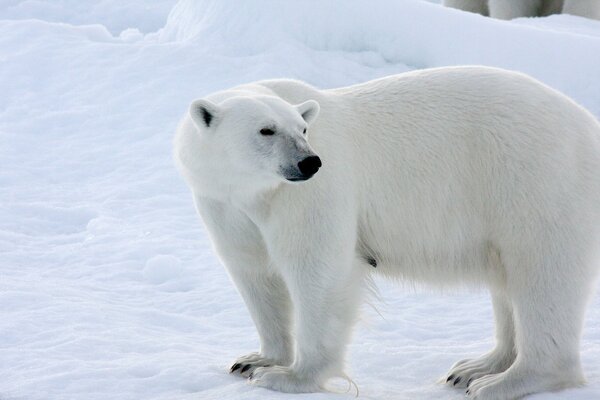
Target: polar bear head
{"points": [[255, 139]]}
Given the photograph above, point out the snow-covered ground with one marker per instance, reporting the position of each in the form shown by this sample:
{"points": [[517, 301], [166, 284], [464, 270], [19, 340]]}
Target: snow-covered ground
{"points": [[108, 286]]}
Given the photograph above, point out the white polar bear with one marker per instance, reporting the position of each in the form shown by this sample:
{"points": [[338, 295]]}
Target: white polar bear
{"points": [[451, 175], [509, 9]]}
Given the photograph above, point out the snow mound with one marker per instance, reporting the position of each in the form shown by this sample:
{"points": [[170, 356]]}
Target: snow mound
{"points": [[115, 15], [413, 33]]}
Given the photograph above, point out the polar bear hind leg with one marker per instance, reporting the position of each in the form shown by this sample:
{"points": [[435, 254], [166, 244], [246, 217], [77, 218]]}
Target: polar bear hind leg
{"points": [[474, 6], [548, 292], [509, 9], [583, 8], [500, 358]]}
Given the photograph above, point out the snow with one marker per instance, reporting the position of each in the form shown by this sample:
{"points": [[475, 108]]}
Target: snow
{"points": [[115, 15], [108, 284]]}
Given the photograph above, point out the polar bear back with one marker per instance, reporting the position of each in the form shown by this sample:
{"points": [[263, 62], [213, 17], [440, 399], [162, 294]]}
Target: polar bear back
{"points": [[463, 124], [454, 156]]}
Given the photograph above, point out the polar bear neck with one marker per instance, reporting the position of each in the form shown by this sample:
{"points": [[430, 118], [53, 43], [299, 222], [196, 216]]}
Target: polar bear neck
{"points": [[247, 195]]}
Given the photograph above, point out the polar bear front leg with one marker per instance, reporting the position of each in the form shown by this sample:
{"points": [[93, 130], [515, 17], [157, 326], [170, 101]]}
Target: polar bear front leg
{"points": [[326, 286], [325, 309], [242, 250], [268, 302]]}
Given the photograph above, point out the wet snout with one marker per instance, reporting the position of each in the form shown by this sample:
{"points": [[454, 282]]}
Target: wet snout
{"points": [[304, 169], [302, 162], [309, 166]]}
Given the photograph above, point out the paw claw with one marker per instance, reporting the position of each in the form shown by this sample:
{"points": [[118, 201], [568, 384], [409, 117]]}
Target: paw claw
{"points": [[465, 373], [235, 367], [246, 368]]}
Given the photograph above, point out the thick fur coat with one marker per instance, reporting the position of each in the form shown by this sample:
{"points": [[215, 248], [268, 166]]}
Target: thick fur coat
{"points": [[459, 175], [509, 9]]}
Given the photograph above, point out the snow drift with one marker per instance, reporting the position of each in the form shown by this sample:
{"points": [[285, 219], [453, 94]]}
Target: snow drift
{"points": [[413, 33]]}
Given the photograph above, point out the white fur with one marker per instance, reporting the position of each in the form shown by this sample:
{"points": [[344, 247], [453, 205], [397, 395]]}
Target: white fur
{"points": [[445, 176], [474, 6], [583, 8], [509, 9]]}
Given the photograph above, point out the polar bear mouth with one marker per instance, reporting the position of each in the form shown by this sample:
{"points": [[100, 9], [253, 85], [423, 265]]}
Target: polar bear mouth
{"points": [[293, 175], [298, 178]]}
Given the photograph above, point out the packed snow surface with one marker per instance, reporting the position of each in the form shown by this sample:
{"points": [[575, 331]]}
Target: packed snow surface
{"points": [[109, 288]]}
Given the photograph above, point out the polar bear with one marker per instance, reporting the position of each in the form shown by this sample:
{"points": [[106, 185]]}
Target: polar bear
{"points": [[474, 6], [447, 176], [509, 9]]}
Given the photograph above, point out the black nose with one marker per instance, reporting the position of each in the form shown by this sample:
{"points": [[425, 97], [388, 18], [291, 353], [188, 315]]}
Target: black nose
{"points": [[310, 165]]}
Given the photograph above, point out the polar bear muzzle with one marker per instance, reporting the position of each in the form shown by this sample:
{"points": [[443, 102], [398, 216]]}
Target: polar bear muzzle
{"points": [[304, 170], [309, 166]]}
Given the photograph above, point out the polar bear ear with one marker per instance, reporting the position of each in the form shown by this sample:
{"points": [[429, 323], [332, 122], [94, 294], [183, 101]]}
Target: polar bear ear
{"points": [[309, 110], [204, 113]]}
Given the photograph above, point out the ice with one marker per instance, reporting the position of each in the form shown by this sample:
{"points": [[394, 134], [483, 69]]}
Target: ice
{"points": [[109, 288]]}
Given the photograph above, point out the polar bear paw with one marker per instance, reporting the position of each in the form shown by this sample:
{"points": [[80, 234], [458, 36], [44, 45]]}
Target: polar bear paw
{"points": [[282, 379], [466, 371], [501, 387], [245, 365], [515, 383]]}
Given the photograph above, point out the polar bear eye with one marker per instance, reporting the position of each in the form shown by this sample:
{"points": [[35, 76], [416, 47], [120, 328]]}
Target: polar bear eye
{"points": [[267, 132], [304, 131]]}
